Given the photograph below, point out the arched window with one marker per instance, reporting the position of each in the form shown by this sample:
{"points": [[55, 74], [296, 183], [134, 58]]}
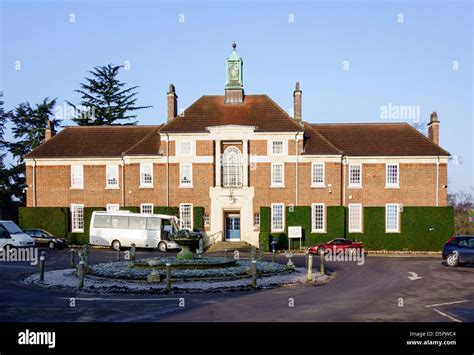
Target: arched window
{"points": [[232, 167]]}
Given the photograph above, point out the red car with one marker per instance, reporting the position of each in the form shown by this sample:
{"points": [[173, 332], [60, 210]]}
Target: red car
{"points": [[337, 244]]}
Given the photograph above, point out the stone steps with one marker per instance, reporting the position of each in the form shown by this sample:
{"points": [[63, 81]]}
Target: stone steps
{"points": [[221, 246]]}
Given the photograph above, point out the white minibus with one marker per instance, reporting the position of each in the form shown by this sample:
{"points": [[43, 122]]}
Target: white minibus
{"points": [[124, 228]]}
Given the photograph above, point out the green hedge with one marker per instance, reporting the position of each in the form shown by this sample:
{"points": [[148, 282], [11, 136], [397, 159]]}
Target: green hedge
{"points": [[171, 211], [422, 228], [53, 219], [198, 216]]}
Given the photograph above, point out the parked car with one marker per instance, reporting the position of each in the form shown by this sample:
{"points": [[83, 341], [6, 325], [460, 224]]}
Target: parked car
{"points": [[338, 244], [43, 238], [459, 250], [123, 228], [12, 236]]}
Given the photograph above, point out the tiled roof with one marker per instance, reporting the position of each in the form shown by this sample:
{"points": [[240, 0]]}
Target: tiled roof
{"points": [[256, 110], [376, 139], [316, 144], [100, 141]]}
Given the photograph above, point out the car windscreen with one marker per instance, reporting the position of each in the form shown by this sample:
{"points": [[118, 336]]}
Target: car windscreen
{"points": [[11, 227]]}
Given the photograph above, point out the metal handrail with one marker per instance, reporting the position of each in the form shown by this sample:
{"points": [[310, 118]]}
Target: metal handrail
{"points": [[213, 237]]}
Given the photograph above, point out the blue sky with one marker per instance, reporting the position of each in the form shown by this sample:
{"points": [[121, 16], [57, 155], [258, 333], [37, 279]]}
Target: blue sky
{"points": [[403, 53]]}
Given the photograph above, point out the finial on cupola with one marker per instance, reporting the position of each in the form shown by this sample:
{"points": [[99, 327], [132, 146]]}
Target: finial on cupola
{"points": [[234, 45]]}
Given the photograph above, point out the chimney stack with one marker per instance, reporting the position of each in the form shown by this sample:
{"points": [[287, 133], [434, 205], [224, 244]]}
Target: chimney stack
{"points": [[49, 131], [433, 128], [297, 103], [172, 103]]}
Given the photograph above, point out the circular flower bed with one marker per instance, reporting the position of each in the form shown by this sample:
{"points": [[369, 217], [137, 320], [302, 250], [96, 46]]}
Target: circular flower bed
{"points": [[198, 263], [239, 269]]}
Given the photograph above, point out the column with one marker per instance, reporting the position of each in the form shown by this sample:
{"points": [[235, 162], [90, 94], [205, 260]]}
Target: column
{"points": [[245, 162], [218, 163]]}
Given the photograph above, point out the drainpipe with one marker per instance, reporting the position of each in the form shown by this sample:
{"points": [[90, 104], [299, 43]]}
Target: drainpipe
{"points": [[167, 170], [296, 187], [344, 163], [123, 181], [34, 182], [437, 182]]}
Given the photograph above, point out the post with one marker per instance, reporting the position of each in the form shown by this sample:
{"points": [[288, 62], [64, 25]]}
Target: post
{"points": [[273, 256], [310, 269], [306, 258], [133, 252], [225, 253], [253, 253], [42, 262], [85, 252], [322, 264], [118, 255], [73, 262], [254, 273], [168, 277], [80, 272]]}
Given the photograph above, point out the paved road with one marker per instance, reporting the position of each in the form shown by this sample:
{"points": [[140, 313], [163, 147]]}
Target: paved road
{"points": [[379, 290]]}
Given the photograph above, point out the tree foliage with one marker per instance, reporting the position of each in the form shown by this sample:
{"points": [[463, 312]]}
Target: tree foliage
{"points": [[105, 100]]}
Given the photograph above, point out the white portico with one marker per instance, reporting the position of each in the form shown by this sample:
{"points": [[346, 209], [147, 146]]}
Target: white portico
{"points": [[231, 197]]}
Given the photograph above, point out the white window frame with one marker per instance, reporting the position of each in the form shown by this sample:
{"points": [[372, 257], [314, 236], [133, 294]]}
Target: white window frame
{"points": [[112, 207], [256, 220], [313, 222], [273, 147], [183, 152], [318, 184], [232, 174], [143, 168], [206, 220], [391, 230], [191, 222], [350, 227], [77, 182], [389, 184], [355, 184], [282, 229], [182, 167], [108, 169], [277, 184], [148, 206], [75, 225]]}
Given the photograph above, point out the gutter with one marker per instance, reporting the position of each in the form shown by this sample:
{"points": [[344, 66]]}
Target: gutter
{"points": [[123, 181], [343, 164]]}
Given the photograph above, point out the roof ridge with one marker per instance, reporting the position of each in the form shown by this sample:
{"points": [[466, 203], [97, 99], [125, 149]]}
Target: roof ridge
{"points": [[324, 138], [46, 141], [358, 123], [283, 111]]}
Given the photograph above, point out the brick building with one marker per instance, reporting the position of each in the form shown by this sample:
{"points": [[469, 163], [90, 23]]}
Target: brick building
{"points": [[234, 154]]}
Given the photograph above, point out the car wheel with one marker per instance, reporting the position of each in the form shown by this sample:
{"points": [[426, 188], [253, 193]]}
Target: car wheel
{"points": [[162, 247], [116, 245], [51, 245], [452, 259], [321, 251]]}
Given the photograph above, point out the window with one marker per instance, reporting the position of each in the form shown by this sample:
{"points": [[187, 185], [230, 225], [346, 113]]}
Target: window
{"points": [[277, 147], [146, 175], [112, 207], [146, 208], [256, 220], [77, 176], [278, 217], [77, 218], [355, 217], [206, 220], [186, 175], [153, 223], [186, 216], [137, 223], [392, 175], [392, 220], [101, 221], [120, 222], [232, 167], [185, 148], [278, 174], [355, 175], [112, 176], [317, 174], [317, 217]]}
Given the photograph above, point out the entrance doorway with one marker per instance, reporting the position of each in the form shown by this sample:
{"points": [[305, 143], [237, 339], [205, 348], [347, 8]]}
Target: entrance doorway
{"points": [[232, 226]]}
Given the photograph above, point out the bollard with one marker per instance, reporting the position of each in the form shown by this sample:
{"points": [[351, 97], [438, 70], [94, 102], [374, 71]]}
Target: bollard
{"points": [[73, 262], [306, 258], [253, 253], [322, 264], [254, 273], [85, 253], [168, 277], [309, 277], [133, 252], [273, 255], [118, 255], [42, 261], [80, 273], [225, 253]]}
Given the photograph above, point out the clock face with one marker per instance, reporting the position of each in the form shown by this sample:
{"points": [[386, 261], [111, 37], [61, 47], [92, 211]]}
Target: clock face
{"points": [[234, 72]]}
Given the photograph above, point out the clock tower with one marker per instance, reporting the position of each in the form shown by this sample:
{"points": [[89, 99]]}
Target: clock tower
{"points": [[234, 89]]}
